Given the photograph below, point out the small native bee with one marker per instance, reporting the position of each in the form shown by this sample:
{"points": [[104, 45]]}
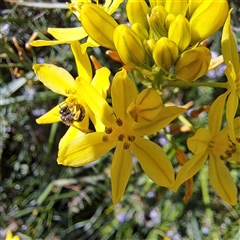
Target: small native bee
{"points": [[69, 115]]}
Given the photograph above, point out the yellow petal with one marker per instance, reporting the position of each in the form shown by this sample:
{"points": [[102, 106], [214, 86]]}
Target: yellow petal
{"points": [[190, 168], [166, 115], [110, 9], [96, 102], [51, 116], [44, 43], [199, 142], [215, 114], [71, 134], [231, 109], [101, 81], [120, 172], [123, 93], [55, 78], [154, 162], [68, 34], [82, 60], [84, 149], [229, 46], [221, 180]]}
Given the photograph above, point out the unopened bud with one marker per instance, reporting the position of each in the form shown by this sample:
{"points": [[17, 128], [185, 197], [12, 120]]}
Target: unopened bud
{"points": [[149, 46], [137, 11], [180, 32], [169, 19], [129, 46], [193, 64], [165, 53], [206, 19], [140, 30], [156, 22], [93, 18], [146, 106]]}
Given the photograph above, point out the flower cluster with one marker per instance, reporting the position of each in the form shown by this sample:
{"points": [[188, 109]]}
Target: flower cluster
{"points": [[161, 46]]}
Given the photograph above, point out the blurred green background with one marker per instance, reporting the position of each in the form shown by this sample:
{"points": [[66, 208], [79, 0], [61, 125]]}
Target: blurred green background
{"points": [[42, 200]]}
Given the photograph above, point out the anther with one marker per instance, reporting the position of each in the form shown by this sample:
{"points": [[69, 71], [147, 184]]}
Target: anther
{"points": [[126, 146], [131, 138], [121, 137], [105, 138], [108, 130], [119, 122]]}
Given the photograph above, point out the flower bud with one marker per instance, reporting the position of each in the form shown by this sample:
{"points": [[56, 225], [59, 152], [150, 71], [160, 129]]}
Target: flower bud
{"points": [[193, 64], [140, 30], [168, 20], [165, 53], [156, 22], [180, 35], [137, 11], [129, 46], [206, 19], [93, 18], [146, 106], [176, 7], [149, 46]]}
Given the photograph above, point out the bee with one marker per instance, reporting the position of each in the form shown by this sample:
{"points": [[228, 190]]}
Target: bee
{"points": [[69, 115]]}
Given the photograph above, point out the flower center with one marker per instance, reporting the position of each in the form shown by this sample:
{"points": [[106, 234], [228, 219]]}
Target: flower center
{"points": [[121, 132], [222, 146], [72, 111]]}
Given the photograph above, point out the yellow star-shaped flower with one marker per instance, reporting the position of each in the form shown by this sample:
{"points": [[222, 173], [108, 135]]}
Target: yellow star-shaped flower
{"points": [[216, 146], [124, 133], [73, 111]]}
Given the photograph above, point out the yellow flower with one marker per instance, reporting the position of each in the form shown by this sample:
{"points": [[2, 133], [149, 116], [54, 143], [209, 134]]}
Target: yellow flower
{"points": [[10, 236], [73, 111], [216, 146], [68, 35], [231, 59], [121, 131]]}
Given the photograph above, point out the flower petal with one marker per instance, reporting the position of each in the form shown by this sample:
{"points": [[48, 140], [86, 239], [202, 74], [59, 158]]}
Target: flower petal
{"points": [[101, 81], [51, 116], [215, 114], [68, 34], [84, 149], [82, 61], [96, 102], [199, 142], [231, 109], [123, 92], [55, 78], [45, 43], [154, 162], [229, 46], [113, 7], [120, 172], [221, 180], [166, 115], [190, 168]]}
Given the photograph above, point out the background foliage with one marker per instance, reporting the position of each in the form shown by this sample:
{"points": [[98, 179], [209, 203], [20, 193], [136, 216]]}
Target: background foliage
{"points": [[42, 200]]}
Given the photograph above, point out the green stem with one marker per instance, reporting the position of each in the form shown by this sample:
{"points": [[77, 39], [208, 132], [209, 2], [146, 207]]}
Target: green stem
{"points": [[183, 84]]}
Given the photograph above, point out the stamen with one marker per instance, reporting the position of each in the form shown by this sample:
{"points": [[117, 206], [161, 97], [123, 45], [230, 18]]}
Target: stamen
{"points": [[126, 145], [105, 138], [121, 137], [131, 138], [119, 122], [108, 130]]}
